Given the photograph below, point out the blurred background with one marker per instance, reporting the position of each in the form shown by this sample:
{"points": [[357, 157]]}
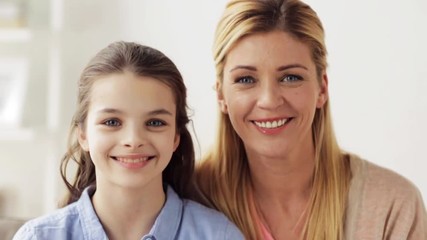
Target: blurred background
{"points": [[377, 74]]}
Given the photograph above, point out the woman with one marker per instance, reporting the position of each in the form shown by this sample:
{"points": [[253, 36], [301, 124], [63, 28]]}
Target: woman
{"points": [[276, 169]]}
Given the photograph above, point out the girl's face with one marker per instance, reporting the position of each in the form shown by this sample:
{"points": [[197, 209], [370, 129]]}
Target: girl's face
{"points": [[270, 92], [130, 130]]}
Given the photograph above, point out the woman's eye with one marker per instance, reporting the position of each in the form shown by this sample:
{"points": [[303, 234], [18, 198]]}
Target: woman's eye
{"points": [[156, 123], [112, 122], [245, 79], [291, 78]]}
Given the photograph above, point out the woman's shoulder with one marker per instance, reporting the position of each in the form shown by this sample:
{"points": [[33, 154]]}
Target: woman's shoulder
{"points": [[383, 203], [380, 181]]}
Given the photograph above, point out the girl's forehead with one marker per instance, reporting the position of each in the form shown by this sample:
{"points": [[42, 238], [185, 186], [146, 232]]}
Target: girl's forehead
{"points": [[131, 93]]}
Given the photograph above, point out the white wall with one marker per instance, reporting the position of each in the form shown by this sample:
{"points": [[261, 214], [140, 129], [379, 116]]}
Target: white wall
{"points": [[377, 82]]}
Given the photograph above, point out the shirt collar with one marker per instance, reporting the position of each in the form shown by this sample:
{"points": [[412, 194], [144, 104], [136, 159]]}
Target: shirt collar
{"points": [[167, 223], [165, 227], [91, 226]]}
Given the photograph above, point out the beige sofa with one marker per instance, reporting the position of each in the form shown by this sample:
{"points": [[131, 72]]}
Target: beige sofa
{"points": [[8, 227]]}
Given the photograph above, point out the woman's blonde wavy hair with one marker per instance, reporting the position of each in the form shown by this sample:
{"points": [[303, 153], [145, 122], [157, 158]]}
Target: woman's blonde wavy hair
{"points": [[223, 174]]}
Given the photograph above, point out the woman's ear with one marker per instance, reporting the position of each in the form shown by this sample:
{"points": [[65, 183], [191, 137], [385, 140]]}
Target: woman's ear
{"points": [[81, 135], [220, 97], [323, 91]]}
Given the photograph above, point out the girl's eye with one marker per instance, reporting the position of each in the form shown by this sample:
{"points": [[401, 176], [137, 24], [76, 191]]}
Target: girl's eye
{"points": [[112, 122], [245, 80], [156, 123], [291, 78]]}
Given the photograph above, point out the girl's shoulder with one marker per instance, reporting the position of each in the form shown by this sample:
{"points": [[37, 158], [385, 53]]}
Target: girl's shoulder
{"points": [[77, 220], [195, 211], [215, 224], [196, 221], [63, 219]]}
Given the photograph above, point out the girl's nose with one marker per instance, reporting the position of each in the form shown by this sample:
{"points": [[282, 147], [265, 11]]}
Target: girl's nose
{"points": [[133, 137]]}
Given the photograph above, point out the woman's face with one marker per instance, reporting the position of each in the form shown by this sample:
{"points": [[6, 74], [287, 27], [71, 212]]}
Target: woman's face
{"points": [[270, 92]]}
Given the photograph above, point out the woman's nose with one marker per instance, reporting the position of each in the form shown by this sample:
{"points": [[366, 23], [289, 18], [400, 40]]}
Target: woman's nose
{"points": [[270, 96]]}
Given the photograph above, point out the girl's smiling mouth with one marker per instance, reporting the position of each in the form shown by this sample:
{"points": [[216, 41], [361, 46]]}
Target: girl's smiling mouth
{"points": [[134, 161]]}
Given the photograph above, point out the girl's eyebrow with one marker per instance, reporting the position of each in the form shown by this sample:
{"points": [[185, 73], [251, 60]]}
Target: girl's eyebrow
{"points": [[160, 111], [281, 68], [109, 110]]}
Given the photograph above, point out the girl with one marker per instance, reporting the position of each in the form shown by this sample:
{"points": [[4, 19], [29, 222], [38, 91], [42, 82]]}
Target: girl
{"points": [[134, 155]]}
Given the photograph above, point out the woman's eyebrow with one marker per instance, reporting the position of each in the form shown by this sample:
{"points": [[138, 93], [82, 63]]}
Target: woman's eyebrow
{"points": [[281, 68]]}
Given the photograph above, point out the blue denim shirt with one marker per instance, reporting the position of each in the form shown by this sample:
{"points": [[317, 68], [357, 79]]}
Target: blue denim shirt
{"points": [[178, 219]]}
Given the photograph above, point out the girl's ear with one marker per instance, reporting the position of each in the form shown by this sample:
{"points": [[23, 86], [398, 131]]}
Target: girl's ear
{"points": [[220, 97], [323, 93], [176, 141], [81, 135]]}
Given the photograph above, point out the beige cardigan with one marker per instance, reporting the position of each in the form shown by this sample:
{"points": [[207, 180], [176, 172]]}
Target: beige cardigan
{"points": [[383, 205]]}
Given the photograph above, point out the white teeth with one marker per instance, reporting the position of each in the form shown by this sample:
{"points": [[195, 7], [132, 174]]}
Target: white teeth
{"points": [[273, 124], [131, 160]]}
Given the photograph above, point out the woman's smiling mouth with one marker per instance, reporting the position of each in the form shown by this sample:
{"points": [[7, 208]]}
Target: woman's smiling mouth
{"points": [[272, 126]]}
